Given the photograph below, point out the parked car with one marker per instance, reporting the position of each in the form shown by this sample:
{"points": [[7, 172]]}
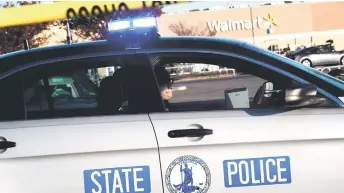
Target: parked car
{"points": [[320, 55], [287, 138]]}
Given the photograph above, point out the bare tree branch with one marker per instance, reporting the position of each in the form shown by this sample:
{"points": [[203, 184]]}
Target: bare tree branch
{"points": [[88, 28], [181, 29], [12, 38]]}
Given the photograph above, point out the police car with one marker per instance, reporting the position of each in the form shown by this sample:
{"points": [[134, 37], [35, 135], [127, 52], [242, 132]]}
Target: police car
{"points": [[285, 134]]}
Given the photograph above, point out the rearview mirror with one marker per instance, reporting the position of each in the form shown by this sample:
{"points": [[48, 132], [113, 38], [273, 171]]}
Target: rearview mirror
{"points": [[302, 96]]}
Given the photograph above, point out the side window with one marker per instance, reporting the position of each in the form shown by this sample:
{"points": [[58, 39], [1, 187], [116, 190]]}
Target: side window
{"points": [[110, 85], [74, 89], [221, 84], [322, 50], [326, 48], [313, 51], [209, 87], [77, 88]]}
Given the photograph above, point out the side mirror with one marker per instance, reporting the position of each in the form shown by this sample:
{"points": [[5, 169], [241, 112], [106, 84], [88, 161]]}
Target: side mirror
{"points": [[302, 96]]}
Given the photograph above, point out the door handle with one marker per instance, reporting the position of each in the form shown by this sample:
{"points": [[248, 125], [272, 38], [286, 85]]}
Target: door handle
{"points": [[189, 133], [4, 144], [198, 132]]}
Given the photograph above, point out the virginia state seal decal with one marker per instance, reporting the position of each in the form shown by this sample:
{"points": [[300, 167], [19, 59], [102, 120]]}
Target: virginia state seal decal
{"points": [[188, 174]]}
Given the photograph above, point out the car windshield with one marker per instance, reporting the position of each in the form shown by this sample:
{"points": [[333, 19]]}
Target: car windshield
{"points": [[324, 76]]}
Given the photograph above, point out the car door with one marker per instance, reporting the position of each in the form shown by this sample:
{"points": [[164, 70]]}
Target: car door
{"points": [[247, 150], [94, 154], [317, 57], [333, 57], [328, 55]]}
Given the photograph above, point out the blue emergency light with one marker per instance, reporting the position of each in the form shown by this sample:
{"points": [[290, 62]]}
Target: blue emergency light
{"points": [[133, 33]]}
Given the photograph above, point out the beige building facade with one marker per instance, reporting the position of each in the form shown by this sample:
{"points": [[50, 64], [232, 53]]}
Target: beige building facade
{"points": [[288, 24]]}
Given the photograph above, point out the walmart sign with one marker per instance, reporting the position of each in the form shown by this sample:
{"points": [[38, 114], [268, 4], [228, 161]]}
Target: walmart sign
{"points": [[238, 25], [235, 25]]}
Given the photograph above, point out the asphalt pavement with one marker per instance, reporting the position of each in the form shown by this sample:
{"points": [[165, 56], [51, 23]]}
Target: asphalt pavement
{"points": [[210, 89]]}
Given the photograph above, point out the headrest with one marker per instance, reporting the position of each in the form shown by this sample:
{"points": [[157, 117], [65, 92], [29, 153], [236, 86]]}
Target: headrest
{"points": [[121, 77], [162, 76], [119, 74], [110, 95]]}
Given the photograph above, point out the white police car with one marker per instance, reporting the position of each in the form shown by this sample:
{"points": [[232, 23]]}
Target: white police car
{"points": [[273, 126]]}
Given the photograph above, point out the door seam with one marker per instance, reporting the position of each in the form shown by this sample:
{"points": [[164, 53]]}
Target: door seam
{"points": [[157, 142]]}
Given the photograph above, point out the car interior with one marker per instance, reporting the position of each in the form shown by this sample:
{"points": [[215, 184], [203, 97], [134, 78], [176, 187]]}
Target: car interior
{"points": [[113, 94], [70, 91], [270, 94]]}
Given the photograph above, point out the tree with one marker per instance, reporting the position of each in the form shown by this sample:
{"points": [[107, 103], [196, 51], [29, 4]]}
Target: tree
{"points": [[181, 29], [12, 38], [91, 27], [86, 28]]}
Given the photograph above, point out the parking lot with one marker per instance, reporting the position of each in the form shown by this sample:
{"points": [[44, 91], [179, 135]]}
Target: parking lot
{"points": [[209, 89]]}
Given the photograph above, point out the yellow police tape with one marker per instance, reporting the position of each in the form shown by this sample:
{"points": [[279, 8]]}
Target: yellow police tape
{"points": [[38, 13]]}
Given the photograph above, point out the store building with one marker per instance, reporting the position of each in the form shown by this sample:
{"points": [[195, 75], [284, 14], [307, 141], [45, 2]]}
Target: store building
{"points": [[288, 24]]}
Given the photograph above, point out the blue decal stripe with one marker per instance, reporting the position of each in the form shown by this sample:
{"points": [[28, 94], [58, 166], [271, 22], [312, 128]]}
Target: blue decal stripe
{"points": [[115, 180], [257, 171]]}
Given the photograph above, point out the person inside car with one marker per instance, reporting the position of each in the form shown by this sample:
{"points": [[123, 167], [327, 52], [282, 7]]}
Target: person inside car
{"points": [[165, 83]]}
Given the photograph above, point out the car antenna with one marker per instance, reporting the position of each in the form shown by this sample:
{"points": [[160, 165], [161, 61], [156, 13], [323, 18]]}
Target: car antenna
{"points": [[26, 44], [69, 35]]}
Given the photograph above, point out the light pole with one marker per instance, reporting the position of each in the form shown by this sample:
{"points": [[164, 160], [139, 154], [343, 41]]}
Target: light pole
{"points": [[252, 27]]}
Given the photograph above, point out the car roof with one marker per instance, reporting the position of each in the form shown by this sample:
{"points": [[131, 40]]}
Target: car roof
{"points": [[23, 57], [310, 48], [304, 49], [103, 46]]}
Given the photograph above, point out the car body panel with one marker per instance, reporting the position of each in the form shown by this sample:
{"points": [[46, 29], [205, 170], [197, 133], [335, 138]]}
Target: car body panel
{"points": [[60, 150], [332, 58], [322, 59], [257, 134]]}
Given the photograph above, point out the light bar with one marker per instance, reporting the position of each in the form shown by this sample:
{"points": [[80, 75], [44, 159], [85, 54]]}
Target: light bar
{"points": [[133, 33], [147, 22], [118, 25]]}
